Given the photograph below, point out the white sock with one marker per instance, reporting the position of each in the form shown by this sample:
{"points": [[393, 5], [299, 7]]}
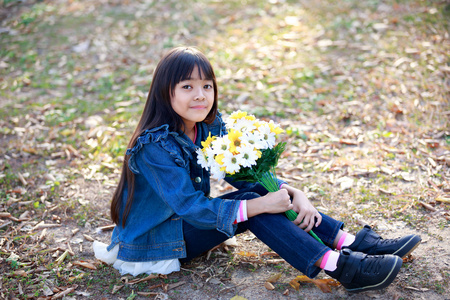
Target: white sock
{"points": [[346, 240], [329, 261]]}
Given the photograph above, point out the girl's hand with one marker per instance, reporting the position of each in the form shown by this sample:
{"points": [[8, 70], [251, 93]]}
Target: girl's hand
{"points": [[277, 202], [307, 213], [272, 203]]}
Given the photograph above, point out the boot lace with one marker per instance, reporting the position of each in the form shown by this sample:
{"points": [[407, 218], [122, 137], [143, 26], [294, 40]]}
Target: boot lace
{"points": [[388, 241], [372, 264]]}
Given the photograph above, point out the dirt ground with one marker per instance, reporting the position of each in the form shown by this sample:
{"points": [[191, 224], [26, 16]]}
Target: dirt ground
{"points": [[243, 269]]}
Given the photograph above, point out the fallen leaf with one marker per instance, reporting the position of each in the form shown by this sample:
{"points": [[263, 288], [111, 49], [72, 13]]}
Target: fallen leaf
{"points": [[345, 183], [427, 206], [274, 278], [148, 294], [269, 286], [84, 294], [89, 238], [275, 261], [20, 273], [149, 277], [116, 288], [408, 258], [270, 254], [30, 150], [5, 215], [214, 281], [106, 228], [22, 179], [407, 176], [295, 284], [387, 170], [323, 284], [385, 191], [416, 289], [85, 264], [348, 142], [65, 292], [62, 257], [175, 285], [47, 291], [42, 225], [443, 199], [73, 278], [247, 254], [238, 298]]}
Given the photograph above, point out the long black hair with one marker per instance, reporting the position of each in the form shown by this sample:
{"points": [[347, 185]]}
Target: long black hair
{"points": [[177, 65]]}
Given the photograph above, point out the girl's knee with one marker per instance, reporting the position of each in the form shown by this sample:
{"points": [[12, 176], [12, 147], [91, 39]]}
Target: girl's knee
{"points": [[249, 195]]}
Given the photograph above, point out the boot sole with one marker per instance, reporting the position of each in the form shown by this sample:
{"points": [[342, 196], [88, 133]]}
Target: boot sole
{"points": [[386, 282], [415, 240]]}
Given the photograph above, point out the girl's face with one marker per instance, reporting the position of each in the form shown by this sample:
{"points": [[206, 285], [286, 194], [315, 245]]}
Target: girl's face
{"points": [[193, 98]]}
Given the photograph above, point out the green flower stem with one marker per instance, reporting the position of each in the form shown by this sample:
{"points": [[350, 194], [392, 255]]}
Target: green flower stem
{"points": [[292, 215], [270, 182]]}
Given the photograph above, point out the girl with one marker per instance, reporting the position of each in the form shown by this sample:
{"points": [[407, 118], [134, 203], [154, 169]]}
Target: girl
{"points": [[164, 215]]}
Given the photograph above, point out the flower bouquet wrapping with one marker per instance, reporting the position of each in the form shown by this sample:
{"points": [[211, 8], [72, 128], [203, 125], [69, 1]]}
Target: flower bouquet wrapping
{"points": [[248, 152]]}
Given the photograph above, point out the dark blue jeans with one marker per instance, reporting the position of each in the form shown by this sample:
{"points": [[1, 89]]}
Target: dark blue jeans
{"points": [[291, 242]]}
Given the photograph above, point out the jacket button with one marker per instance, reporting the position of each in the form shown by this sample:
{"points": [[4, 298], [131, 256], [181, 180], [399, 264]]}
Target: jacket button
{"points": [[198, 179]]}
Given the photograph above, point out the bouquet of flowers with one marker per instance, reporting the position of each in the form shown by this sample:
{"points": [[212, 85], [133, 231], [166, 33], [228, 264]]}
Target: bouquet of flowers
{"points": [[248, 152]]}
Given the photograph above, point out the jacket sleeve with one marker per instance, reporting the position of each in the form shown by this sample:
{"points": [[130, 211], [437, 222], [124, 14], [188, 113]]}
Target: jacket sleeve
{"points": [[172, 183]]}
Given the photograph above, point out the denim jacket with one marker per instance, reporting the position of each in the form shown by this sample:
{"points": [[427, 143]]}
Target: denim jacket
{"points": [[170, 187]]}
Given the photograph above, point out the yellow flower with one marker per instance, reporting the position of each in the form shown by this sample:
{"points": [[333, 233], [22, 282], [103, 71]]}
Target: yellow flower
{"points": [[207, 143], [250, 118], [258, 153], [238, 115], [235, 141], [258, 123], [274, 128], [219, 159]]}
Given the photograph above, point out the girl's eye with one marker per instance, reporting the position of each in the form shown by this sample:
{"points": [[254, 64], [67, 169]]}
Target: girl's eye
{"points": [[186, 87], [208, 86]]}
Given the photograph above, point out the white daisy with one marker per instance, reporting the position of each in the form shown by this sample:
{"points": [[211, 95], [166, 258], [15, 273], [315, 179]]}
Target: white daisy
{"points": [[210, 157], [244, 125], [202, 159], [229, 122], [216, 172], [221, 145], [255, 139], [268, 137], [248, 156], [232, 163]]}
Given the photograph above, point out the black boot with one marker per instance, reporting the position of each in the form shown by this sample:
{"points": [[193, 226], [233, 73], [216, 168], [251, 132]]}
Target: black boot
{"points": [[359, 272], [367, 241]]}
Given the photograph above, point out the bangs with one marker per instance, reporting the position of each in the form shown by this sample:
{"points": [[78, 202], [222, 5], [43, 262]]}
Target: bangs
{"points": [[184, 65]]}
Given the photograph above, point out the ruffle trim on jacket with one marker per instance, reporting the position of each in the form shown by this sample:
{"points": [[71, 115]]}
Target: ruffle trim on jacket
{"points": [[157, 135], [134, 268], [172, 145]]}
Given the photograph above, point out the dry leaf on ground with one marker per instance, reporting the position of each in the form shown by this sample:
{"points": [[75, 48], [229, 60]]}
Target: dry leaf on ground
{"points": [[85, 264], [269, 286], [274, 278], [323, 284], [238, 298]]}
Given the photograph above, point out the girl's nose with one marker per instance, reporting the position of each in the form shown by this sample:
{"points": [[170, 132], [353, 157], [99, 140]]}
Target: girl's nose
{"points": [[200, 95]]}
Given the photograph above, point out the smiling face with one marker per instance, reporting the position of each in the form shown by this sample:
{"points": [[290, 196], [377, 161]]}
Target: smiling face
{"points": [[193, 98]]}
